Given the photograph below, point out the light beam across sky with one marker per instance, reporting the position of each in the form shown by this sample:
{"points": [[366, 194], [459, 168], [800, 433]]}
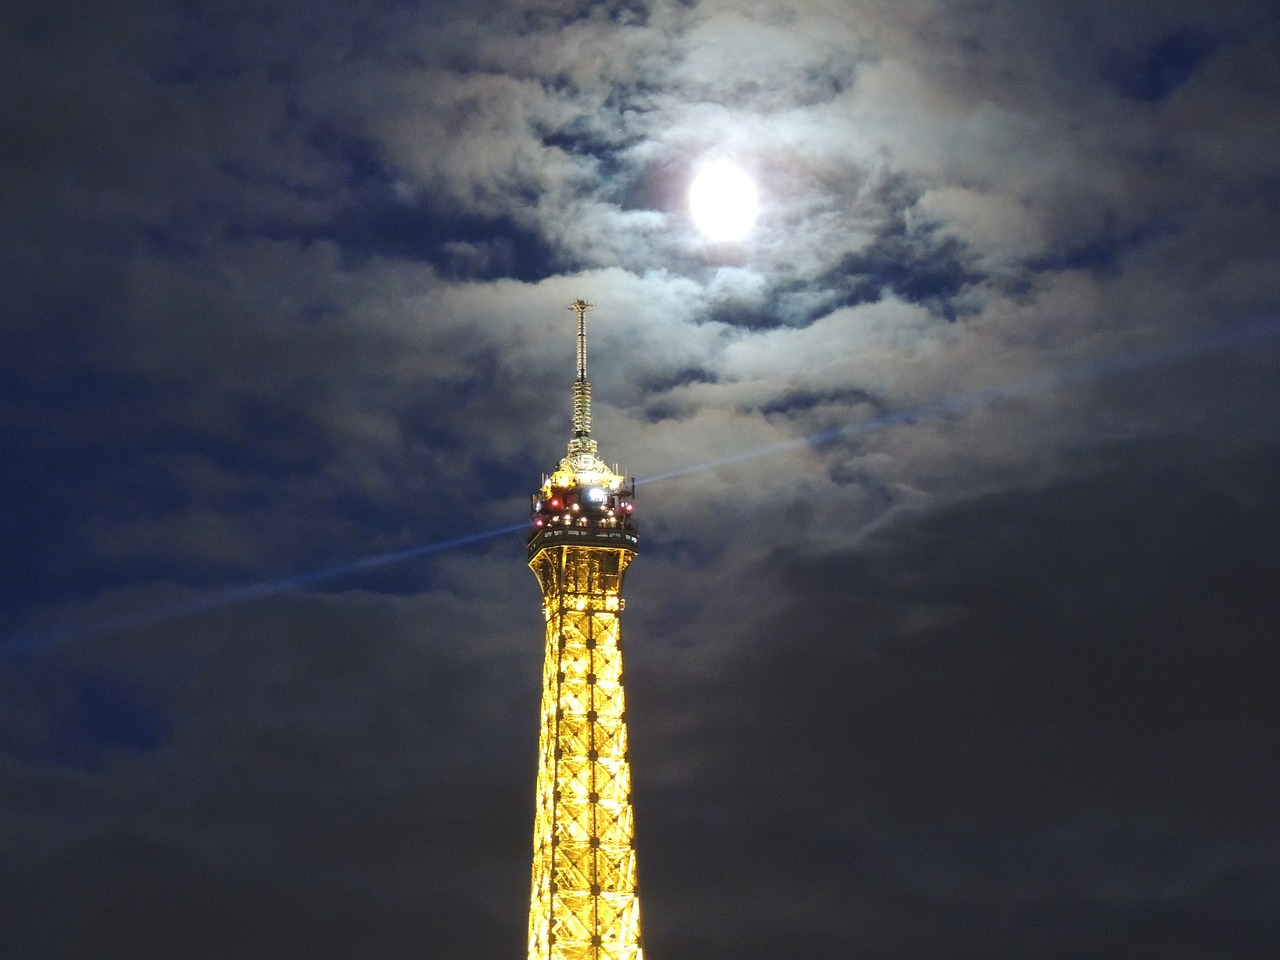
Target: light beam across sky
{"points": [[20, 645], [1112, 366]]}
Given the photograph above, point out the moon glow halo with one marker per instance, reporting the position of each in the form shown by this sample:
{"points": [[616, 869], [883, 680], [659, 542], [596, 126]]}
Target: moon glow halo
{"points": [[723, 202]]}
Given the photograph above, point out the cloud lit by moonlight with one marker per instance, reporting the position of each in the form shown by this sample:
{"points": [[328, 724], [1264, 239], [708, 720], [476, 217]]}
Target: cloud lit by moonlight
{"points": [[723, 201]]}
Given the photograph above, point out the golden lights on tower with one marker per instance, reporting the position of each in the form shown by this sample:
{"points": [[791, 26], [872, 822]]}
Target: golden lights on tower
{"points": [[584, 904]]}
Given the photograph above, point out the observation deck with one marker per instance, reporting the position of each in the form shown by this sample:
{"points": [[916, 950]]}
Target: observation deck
{"points": [[592, 514]]}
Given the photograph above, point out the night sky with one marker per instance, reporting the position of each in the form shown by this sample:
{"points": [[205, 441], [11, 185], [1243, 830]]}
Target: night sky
{"points": [[953, 632]]}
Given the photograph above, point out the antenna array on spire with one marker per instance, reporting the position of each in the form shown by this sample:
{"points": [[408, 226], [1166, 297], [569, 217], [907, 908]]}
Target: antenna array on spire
{"points": [[581, 442], [580, 307]]}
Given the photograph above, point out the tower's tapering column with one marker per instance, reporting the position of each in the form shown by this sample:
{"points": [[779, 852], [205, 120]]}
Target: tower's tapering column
{"points": [[584, 904], [581, 442]]}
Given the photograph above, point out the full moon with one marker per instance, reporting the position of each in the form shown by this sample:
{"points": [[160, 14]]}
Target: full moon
{"points": [[723, 202]]}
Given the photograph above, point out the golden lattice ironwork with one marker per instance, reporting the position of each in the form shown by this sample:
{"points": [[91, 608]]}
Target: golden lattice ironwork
{"points": [[584, 903]]}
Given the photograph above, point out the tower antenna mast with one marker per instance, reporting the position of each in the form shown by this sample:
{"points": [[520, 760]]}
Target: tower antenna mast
{"points": [[581, 442], [580, 307]]}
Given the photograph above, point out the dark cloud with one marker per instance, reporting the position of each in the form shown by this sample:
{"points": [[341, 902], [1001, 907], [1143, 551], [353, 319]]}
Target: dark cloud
{"points": [[1155, 73], [1027, 710], [952, 632]]}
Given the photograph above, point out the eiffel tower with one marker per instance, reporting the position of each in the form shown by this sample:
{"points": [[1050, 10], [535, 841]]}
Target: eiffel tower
{"points": [[584, 904]]}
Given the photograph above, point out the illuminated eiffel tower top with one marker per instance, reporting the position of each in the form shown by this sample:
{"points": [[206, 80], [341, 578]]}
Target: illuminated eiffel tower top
{"points": [[581, 465], [583, 500]]}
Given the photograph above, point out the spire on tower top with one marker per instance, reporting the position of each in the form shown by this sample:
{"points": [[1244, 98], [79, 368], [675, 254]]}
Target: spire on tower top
{"points": [[581, 442], [580, 307]]}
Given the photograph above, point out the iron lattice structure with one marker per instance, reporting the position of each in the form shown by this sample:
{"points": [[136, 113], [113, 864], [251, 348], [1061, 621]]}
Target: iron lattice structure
{"points": [[584, 904]]}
